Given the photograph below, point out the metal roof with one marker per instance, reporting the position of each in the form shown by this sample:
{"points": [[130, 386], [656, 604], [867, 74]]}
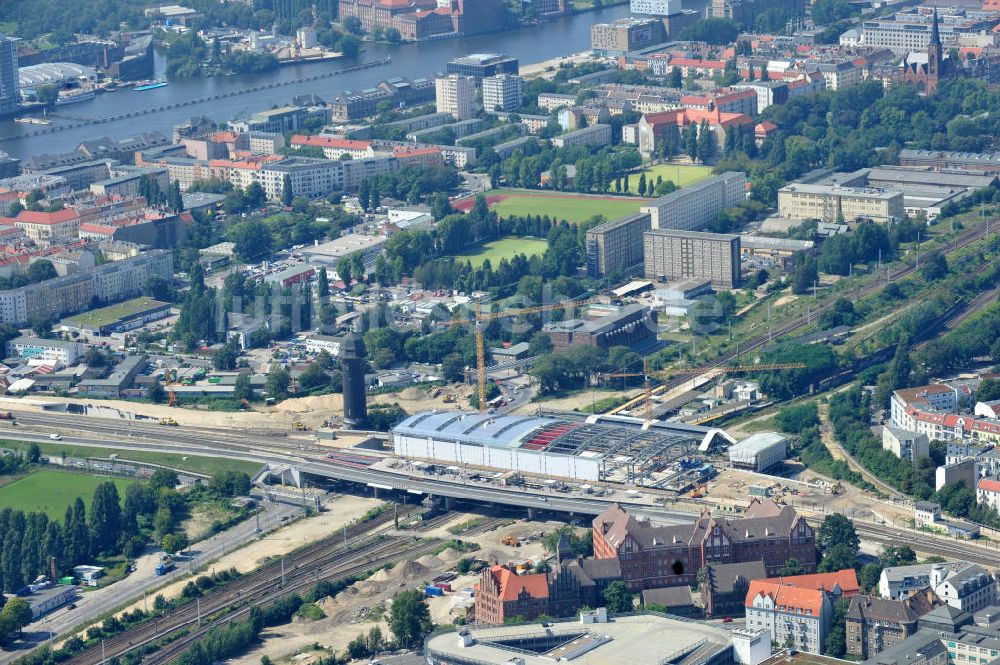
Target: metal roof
{"points": [[53, 72], [498, 431]]}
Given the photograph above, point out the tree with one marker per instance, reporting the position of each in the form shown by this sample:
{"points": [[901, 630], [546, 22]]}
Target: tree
{"points": [[106, 518], [453, 367], [618, 598], [164, 478], [805, 276], [791, 567], [175, 201], [344, 270], [989, 390], [409, 618], [676, 78], [278, 380], [934, 266], [40, 270], [254, 197], [323, 284], [156, 392], [539, 344], [16, 613], [243, 390], [365, 194], [869, 577], [251, 240], [837, 529], [286, 191], [839, 557], [41, 327], [173, 543], [897, 555], [352, 24], [836, 639]]}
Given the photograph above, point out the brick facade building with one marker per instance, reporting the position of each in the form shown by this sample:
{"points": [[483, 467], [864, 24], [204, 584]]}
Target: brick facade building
{"points": [[656, 556], [501, 594]]}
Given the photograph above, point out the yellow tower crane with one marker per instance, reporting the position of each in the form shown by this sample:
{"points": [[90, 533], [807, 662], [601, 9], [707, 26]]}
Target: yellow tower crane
{"points": [[481, 317]]}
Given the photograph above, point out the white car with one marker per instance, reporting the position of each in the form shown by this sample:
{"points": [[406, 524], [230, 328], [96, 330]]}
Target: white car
{"points": [[55, 437]]}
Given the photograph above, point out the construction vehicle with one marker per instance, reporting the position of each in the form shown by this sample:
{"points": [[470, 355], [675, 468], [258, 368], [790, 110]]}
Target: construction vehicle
{"points": [[480, 318], [448, 398], [168, 421], [510, 540], [648, 392], [299, 426]]}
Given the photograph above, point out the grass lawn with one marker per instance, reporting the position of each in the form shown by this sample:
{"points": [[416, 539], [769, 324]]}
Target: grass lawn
{"points": [[505, 248], [97, 318], [52, 491], [570, 207], [682, 176], [205, 465]]}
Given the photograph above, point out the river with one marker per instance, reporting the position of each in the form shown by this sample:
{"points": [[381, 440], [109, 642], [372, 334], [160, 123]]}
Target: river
{"points": [[570, 34]]}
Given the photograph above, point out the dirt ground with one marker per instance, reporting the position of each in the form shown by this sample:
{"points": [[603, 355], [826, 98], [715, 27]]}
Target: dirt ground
{"points": [[311, 411], [366, 604], [578, 401]]}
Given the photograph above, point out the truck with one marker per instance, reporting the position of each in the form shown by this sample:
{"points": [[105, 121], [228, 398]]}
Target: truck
{"points": [[6, 415], [165, 566], [168, 421]]}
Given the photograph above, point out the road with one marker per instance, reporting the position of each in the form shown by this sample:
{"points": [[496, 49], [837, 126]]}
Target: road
{"points": [[837, 451], [92, 605], [227, 445]]}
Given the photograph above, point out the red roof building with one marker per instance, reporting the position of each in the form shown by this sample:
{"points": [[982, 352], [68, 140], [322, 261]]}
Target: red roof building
{"points": [[502, 593]]}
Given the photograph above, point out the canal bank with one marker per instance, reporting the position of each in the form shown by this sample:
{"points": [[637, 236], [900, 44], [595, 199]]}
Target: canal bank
{"points": [[215, 98]]}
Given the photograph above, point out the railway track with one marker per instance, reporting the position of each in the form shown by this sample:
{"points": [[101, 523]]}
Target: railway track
{"points": [[876, 283], [392, 550], [356, 548], [950, 549]]}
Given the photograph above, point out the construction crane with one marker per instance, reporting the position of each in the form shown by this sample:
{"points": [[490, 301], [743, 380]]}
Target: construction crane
{"points": [[480, 317], [647, 392]]}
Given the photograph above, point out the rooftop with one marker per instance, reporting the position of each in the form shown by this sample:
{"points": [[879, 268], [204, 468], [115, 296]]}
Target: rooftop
{"points": [[630, 640], [105, 316]]}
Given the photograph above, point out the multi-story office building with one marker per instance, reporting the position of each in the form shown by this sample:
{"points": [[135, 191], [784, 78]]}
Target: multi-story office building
{"points": [[831, 203], [910, 31], [481, 65], [456, 94], [352, 105], [309, 177], [502, 93], [280, 120], [695, 207], [655, 7], [747, 11], [943, 159], [48, 350], [673, 255], [43, 226], [616, 246], [10, 89], [626, 34]]}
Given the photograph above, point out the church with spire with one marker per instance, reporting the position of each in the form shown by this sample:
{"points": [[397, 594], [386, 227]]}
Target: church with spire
{"points": [[926, 75]]}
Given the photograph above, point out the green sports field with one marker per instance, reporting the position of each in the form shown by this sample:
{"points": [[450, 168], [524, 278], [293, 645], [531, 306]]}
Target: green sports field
{"points": [[571, 207], [52, 491], [505, 248], [681, 175]]}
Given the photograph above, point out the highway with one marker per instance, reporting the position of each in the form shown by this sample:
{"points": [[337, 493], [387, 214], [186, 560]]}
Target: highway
{"points": [[226, 445]]}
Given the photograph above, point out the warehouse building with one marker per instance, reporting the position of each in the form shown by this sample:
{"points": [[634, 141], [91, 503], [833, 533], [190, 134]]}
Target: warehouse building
{"points": [[759, 452], [671, 255], [616, 246], [632, 325], [579, 450]]}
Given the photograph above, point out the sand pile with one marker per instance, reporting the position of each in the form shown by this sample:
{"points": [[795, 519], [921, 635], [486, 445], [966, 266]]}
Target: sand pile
{"points": [[429, 561], [381, 576], [411, 570], [450, 555], [413, 394]]}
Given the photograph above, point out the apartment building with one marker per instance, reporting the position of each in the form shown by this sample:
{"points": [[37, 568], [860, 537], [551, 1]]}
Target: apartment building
{"points": [[626, 34], [670, 255], [335, 148], [905, 445], [968, 588], [309, 177], [356, 104], [481, 65], [595, 135], [502, 93], [695, 207], [617, 246], [658, 556], [456, 94], [874, 624], [792, 615], [43, 226], [119, 280], [832, 203]]}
